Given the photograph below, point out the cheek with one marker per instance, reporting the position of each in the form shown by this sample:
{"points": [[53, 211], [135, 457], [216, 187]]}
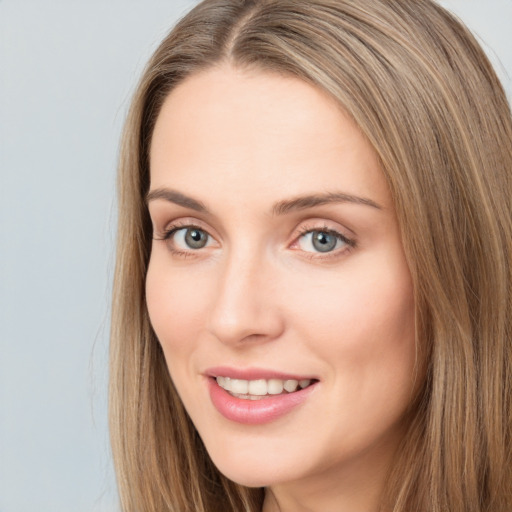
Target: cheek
{"points": [[363, 325], [357, 306], [175, 310], [174, 306]]}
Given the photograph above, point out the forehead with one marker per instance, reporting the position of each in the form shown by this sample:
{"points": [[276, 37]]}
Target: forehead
{"points": [[260, 129]]}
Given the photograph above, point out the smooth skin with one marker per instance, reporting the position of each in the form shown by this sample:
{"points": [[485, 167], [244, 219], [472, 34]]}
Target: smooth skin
{"points": [[238, 278]]}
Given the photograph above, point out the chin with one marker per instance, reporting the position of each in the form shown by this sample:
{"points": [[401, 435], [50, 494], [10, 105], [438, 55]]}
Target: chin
{"points": [[250, 475], [257, 468]]}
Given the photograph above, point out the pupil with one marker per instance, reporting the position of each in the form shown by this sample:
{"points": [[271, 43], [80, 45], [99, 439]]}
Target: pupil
{"points": [[195, 238], [323, 242]]}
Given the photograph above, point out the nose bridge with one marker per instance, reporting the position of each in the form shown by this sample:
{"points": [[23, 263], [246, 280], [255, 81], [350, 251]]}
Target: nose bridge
{"points": [[244, 306]]}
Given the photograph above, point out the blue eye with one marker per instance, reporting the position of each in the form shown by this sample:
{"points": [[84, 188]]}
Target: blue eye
{"points": [[322, 241], [189, 238]]}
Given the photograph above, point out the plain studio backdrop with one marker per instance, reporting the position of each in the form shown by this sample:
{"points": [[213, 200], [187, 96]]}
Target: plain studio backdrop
{"points": [[67, 71]]}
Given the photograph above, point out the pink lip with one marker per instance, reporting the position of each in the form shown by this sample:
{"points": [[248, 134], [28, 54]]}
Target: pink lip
{"points": [[254, 412], [253, 374]]}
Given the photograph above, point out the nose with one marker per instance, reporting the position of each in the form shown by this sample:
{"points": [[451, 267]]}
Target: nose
{"points": [[246, 305]]}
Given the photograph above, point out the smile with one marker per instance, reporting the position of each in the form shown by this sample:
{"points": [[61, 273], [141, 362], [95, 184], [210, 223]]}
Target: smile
{"points": [[257, 398], [260, 388]]}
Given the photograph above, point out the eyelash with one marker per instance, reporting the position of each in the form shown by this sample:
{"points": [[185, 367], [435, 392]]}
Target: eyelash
{"points": [[350, 243], [174, 228], [336, 253]]}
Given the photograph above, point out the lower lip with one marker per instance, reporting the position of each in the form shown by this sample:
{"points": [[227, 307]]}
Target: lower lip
{"points": [[255, 412]]}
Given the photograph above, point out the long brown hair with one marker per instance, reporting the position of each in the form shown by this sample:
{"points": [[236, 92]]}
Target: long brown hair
{"points": [[424, 94]]}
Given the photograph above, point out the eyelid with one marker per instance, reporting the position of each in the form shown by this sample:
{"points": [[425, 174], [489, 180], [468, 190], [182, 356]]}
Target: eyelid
{"points": [[321, 225], [305, 227], [182, 223], [166, 235]]}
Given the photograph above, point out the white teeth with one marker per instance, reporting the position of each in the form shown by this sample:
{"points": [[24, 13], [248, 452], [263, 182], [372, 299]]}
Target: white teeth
{"points": [[239, 386], [291, 385], [255, 389], [275, 386], [258, 387], [224, 382]]}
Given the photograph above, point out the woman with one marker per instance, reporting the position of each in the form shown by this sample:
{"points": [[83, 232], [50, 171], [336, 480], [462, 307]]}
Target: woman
{"points": [[313, 288]]}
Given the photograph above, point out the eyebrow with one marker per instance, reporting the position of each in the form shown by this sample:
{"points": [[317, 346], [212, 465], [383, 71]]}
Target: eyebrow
{"points": [[304, 202], [280, 208], [176, 197]]}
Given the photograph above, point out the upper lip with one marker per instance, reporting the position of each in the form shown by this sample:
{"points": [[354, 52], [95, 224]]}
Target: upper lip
{"points": [[254, 373]]}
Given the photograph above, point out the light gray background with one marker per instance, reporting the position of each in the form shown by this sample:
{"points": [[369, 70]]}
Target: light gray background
{"points": [[67, 69]]}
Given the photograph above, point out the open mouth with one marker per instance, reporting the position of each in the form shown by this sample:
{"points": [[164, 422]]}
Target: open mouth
{"points": [[262, 397], [261, 388]]}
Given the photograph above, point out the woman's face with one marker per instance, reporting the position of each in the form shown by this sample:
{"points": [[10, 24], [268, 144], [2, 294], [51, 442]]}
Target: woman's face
{"points": [[277, 263]]}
